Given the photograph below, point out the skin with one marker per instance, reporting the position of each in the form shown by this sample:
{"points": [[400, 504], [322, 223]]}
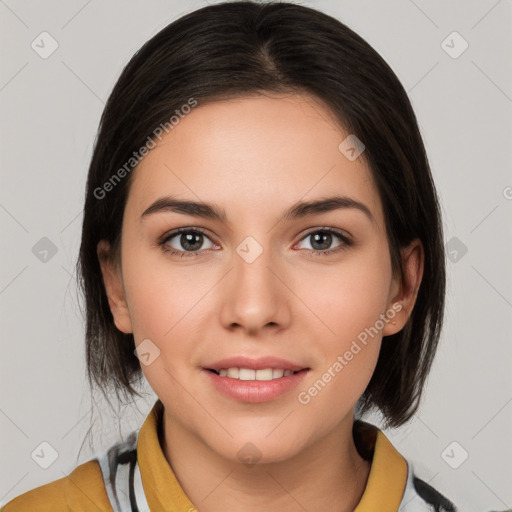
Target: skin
{"points": [[255, 157]]}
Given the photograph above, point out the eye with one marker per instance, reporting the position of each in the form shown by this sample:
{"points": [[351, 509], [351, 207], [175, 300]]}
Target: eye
{"points": [[185, 242], [321, 240]]}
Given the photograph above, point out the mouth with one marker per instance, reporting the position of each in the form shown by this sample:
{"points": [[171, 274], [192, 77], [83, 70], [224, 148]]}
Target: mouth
{"points": [[248, 379]]}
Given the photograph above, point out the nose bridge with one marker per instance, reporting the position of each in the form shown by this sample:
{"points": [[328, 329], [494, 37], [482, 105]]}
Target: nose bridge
{"points": [[255, 296], [252, 262]]}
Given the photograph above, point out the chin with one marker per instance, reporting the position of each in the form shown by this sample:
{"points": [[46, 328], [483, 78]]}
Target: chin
{"points": [[258, 448]]}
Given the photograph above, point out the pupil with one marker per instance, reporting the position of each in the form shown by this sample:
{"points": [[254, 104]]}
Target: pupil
{"points": [[187, 241], [325, 245]]}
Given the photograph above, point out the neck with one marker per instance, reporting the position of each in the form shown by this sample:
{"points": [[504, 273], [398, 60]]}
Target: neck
{"points": [[329, 474]]}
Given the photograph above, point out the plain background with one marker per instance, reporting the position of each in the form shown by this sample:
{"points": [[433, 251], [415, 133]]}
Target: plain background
{"points": [[50, 109]]}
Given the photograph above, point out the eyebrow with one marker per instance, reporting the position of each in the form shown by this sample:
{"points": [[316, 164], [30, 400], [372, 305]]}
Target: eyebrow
{"points": [[214, 212]]}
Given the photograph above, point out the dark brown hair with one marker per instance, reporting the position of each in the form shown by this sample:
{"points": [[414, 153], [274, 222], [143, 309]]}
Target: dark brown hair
{"points": [[242, 48]]}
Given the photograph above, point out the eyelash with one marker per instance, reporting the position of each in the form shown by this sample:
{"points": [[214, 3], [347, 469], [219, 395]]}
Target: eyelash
{"points": [[168, 236]]}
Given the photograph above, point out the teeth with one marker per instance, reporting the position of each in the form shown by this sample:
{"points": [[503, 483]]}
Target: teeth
{"points": [[246, 374], [249, 374], [233, 373], [265, 374]]}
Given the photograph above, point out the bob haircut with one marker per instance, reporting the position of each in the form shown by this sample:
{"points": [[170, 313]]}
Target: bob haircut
{"points": [[244, 48]]}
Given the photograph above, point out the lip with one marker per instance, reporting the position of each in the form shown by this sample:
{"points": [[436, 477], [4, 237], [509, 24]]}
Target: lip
{"points": [[255, 391], [255, 364]]}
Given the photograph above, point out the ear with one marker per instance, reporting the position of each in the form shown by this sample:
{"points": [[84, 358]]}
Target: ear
{"points": [[113, 282], [404, 292]]}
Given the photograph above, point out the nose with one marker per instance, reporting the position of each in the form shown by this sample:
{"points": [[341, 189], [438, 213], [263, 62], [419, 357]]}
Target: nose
{"points": [[255, 295]]}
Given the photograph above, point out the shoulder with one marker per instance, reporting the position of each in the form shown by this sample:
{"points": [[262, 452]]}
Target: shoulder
{"points": [[83, 489], [419, 496]]}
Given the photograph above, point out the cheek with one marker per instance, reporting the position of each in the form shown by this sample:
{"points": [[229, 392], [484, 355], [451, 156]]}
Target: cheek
{"points": [[350, 299], [167, 305], [161, 301], [161, 295], [350, 350], [351, 296]]}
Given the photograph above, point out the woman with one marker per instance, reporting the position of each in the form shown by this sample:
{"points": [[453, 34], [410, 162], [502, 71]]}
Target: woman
{"points": [[262, 242]]}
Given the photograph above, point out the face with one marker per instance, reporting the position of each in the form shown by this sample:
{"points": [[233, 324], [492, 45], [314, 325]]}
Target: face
{"points": [[255, 283]]}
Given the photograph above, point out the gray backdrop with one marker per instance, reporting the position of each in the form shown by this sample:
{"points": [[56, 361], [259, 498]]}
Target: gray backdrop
{"points": [[453, 59]]}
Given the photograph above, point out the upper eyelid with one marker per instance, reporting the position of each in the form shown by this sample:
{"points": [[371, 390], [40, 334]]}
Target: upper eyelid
{"points": [[175, 232]]}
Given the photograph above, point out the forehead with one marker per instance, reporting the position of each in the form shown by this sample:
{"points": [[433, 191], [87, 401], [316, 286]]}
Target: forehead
{"points": [[257, 154]]}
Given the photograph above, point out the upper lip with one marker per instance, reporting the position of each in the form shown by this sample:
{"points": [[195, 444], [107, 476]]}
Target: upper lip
{"points": [[255, 364]]}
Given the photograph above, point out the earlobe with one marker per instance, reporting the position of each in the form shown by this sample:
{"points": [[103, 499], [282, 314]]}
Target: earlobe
{"points": [[113, 282], [402, 301]]}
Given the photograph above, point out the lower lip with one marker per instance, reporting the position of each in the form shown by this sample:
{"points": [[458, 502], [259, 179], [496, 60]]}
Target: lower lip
{"points": [[255, 390]]}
